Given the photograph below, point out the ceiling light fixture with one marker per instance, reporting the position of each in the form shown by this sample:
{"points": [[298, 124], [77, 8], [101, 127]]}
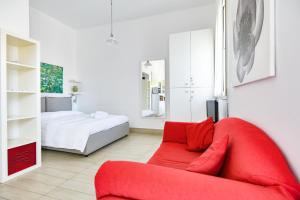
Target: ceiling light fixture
{"points": [[148, 64], [111, 39]]}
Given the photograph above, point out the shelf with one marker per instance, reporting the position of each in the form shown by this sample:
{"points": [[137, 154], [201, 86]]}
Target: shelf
{"points": [[20, 42], [20, 78], [22, 106], [15, 118], [19, 66], [12, 143], [21, 91]]}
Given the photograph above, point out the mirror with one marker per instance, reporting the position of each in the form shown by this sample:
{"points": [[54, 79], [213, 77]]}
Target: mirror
{"points": [[153, 88]]}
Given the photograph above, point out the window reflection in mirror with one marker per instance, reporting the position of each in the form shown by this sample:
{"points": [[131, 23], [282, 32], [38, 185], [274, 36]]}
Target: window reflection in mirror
{"points": [[153, 88]]}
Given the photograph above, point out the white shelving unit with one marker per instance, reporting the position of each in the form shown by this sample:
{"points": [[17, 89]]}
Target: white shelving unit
{"points": [[19, 105]]}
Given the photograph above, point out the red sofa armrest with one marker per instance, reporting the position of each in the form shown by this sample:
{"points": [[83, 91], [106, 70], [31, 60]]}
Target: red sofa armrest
{"points": [[131, 180], [175, 132]]}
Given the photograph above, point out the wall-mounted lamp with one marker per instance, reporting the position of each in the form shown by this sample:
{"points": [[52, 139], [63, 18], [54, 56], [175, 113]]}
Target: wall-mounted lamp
{"points": [[75, 91]]}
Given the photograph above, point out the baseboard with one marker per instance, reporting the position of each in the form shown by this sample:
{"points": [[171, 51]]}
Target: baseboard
{"points": [[146, 131]]}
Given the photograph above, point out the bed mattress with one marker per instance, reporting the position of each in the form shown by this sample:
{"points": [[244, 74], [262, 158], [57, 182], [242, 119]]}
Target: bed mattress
{"points": [[72, 130]]}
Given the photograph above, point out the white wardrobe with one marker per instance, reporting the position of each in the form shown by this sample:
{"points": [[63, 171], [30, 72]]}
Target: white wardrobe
{"points": [[191, 74]]}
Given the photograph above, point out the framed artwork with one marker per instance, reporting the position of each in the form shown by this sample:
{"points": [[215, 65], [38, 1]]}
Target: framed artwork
{"points": [[51, 78], [251, 40]]}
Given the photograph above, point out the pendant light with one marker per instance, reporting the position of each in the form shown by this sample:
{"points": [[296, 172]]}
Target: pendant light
{"points": [[148, 64], [111, 39]]}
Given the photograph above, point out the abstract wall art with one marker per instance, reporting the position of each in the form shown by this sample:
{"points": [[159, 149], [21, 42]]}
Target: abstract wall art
{"points": [[252, 40], [51, 78]]}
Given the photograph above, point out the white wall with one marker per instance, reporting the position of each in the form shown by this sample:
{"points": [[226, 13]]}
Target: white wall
{"points": [[111, 74], [58, 43], [273, 104], [14, 16]]}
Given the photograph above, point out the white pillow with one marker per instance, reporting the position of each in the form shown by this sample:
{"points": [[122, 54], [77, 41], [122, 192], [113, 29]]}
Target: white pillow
{"points": [[99, 115]]}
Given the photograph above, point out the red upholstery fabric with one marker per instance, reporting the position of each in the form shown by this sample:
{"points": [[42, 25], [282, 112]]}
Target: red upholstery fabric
{"points": [[252, 156], [211, 161], [254, 168], [175, 132], [112, 198], [173, 155], [200, 135], [149, 182]]}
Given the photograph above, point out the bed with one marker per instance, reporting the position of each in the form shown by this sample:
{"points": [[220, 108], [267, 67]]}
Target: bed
{"points": [[77, 132]]}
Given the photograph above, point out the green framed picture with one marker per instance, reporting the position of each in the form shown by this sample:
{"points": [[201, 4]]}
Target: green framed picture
{"points": [[51, 78]]}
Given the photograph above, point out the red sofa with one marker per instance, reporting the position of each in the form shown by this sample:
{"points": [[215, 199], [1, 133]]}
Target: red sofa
{"points": [[254, 169]]}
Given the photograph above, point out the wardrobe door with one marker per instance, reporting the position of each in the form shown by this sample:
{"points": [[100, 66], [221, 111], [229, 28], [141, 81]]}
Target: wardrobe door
{"points": [[180, 107], [202, 58], [180, 59], [198, 103]]}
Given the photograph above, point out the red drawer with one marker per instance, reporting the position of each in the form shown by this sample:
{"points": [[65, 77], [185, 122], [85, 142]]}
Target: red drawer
{"points": [[20, 158]]}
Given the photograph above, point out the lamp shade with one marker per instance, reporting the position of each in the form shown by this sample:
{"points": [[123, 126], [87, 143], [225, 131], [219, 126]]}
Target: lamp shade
{"points": [[148, 64], [112, 40]]}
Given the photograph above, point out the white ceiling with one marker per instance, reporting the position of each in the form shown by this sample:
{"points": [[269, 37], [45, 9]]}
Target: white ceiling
{"points": [[88, 13]]}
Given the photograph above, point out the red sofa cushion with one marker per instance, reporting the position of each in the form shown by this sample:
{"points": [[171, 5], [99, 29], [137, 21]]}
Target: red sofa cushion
{"points": [[173, 155], [211, 161], [175, 132], [200, 135], [252, 156]]}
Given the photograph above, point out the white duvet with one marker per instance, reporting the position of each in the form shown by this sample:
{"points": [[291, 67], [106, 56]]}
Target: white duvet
{"points": [[71, 129]]}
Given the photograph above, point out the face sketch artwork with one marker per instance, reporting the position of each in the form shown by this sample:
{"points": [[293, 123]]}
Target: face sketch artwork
{"points": [[247, 30]]}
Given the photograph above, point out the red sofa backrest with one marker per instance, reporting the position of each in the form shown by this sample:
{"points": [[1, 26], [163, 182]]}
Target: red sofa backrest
{"points": [[252, 156]]}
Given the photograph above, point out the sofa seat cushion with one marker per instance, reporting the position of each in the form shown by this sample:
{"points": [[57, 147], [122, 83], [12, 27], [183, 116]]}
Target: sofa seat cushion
{"points": [[173, 155]]}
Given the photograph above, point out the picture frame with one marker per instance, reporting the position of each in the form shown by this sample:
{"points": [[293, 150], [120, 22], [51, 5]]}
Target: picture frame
{"points": [[251, 40], [51, 78]]}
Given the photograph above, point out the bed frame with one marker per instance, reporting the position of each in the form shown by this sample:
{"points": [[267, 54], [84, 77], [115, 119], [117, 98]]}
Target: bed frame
{"points": [[95, 141]]}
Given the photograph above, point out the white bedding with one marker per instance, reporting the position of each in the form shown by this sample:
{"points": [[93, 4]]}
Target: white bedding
{"points": [[71, 129]]}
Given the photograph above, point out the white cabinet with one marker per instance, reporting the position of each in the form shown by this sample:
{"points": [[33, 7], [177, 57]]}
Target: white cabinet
{"points": [[179, 102], [202, 58], [191, 74], [189, 104], [198, 103], [180, 58]]}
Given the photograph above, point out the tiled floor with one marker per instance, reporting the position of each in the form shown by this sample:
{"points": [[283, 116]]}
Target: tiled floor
{"points": [[70, 177]]}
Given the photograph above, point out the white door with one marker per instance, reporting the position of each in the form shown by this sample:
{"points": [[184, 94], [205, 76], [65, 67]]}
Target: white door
{"points": [[198, 103], [202, 58], [180, 107], [180, 59]]}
